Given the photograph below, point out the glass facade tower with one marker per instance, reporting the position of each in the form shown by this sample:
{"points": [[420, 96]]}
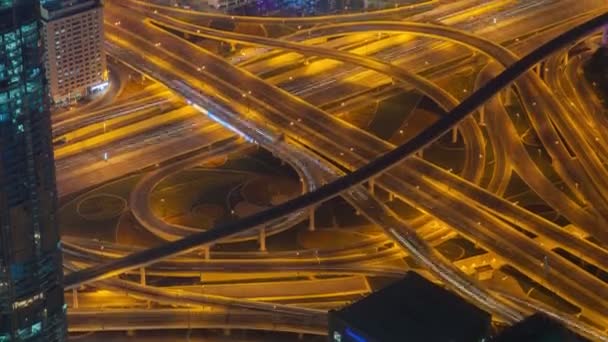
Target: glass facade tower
{"points": [[31, 293]]}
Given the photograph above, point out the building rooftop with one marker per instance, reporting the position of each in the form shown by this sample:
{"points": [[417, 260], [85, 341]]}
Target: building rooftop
{"points": [[415, 309], [54, 9], [538, 328]]}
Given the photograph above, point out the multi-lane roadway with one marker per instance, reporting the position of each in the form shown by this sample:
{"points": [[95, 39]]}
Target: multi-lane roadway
{"points": [[474, 212]]}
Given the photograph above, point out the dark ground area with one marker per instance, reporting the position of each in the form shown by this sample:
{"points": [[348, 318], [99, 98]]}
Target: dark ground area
{"points": [[596, 72]]}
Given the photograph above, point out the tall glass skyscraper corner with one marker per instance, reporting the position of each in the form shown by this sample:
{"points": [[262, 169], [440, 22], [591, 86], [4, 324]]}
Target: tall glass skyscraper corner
{"points": [[31, 293]]}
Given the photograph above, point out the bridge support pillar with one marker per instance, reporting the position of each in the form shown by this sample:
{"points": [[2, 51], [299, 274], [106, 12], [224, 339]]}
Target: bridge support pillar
{"points": [[508, 97], [142, 276], [207, 251], [232, 47], [420, 153], [262, 239], [454, 135], [311, 220], [391, 196], [537, 69], [372, 185], [75, 298], [482, 114]]}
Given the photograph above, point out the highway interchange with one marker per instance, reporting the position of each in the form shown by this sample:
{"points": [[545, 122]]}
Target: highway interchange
{"points": [[323, 148]]}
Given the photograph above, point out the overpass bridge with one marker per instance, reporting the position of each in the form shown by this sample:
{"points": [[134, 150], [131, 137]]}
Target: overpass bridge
{"points": [[396, 155], [159, 319]]}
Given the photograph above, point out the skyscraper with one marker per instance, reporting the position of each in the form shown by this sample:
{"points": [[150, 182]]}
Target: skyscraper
{"points": [[75, 61], [31, 294]]}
